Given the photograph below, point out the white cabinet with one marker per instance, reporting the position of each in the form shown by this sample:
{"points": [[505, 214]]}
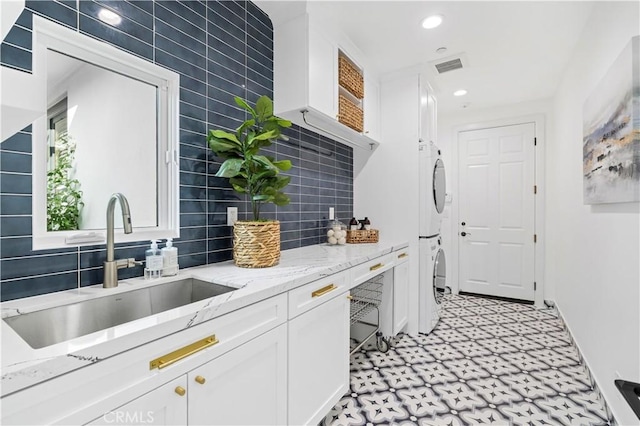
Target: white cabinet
{"points": [[253, 375], [322, 83], [428, 112], [401, 291], [281, 360], [306, 79], [372, 108], [166, 405], [246, 386], [318, 360], [394, 310]]}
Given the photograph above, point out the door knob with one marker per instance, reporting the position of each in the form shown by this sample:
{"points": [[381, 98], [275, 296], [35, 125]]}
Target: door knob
{"points": [[464, 234], [200, 380]]}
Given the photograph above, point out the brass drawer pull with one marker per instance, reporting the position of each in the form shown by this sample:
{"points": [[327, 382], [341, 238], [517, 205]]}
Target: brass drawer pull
{"points": [[177, 355], [200, 380], [324, 290], [376, 266], [350, 297], [400, 256], [180, 391]]}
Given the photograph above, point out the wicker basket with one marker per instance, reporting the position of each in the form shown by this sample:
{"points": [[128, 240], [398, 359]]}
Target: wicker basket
{"points": [[350, 77], [350, 114], [363, 236], [256, 244]]}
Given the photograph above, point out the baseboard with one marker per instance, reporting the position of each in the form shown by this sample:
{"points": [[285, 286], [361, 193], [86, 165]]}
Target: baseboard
{"points": [[592, 379], [504, 299]]}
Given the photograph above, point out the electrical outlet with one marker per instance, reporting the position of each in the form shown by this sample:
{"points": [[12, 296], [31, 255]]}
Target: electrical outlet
{"points": [[232, 215], [332, 214]]}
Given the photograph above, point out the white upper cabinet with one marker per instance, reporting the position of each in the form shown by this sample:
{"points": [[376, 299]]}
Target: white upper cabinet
{"points": [[307, 87], [372, 108], [428, 112]]}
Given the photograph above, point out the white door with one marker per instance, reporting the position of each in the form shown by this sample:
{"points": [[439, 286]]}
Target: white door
{"points": [[496, 211], [245, 386], [318, 360]]}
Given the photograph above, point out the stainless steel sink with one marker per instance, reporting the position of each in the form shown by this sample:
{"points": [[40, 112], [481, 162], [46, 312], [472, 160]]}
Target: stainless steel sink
{"points": [[54, 325]]}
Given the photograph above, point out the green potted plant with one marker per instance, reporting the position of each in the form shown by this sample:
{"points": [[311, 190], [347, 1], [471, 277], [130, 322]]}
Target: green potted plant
{"points": [[256, 243]]}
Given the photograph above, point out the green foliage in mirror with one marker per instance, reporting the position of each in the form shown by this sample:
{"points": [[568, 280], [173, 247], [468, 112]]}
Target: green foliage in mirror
{"points": [[257, 176], [64, 196]]}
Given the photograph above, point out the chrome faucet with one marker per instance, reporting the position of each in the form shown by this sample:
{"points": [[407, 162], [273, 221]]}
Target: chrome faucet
{"points": [[111, 265]]}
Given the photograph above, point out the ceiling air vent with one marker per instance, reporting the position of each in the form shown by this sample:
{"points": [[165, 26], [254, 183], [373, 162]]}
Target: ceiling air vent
{"points": [[450, 63]]}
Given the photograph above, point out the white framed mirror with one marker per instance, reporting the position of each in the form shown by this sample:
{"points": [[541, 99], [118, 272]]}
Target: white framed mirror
{"points": [[111, 125]]}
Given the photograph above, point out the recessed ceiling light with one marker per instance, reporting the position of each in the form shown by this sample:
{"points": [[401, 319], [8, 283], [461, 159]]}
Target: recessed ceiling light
{"points": [[432, 21], [110, 17], [460, 92]]}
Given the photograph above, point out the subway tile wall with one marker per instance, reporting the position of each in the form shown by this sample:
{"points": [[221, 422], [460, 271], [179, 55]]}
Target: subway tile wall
{"points": [[220, 49]]}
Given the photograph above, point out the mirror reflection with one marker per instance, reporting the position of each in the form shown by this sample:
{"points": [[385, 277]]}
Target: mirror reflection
{"points": [[102, 138]]}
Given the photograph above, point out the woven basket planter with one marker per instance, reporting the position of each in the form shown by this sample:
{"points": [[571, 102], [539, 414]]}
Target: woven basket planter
{"points": [[256, 244]]}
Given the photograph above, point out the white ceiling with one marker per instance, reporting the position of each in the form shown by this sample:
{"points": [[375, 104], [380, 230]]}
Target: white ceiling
{"points": [[516, 51]]}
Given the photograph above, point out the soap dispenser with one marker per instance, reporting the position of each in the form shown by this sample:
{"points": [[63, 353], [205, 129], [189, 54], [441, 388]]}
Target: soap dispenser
{"points": [[153, 261], [169, 259]]}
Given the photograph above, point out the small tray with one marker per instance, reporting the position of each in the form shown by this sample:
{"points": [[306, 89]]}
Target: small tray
{"points": [[362, 236]]}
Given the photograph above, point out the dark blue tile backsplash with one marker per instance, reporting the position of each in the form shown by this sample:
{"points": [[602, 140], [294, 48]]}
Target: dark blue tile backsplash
{"points": [[220, 49]]}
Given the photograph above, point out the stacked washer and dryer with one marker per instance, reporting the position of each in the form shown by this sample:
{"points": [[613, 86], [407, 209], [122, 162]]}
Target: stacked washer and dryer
{"points": [[432, 281]]}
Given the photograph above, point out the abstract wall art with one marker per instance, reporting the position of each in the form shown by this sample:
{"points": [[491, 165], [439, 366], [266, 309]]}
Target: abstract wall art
{"points": [[611, 132]]}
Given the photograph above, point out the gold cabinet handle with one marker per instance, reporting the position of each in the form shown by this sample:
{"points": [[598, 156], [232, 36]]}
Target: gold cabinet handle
{"points": [[177, 355], [350, 297], [324, 290], [376, 266], [180, 391], [400, 256], [200, 380]]}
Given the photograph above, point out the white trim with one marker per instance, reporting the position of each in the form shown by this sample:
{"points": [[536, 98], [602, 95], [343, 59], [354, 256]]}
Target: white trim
{"points": [[49, 35], [592, 378], [539, 227]]}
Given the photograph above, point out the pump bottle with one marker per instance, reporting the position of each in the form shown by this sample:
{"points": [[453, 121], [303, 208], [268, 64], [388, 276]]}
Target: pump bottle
{"points": [[169, 259], [153, 261]]}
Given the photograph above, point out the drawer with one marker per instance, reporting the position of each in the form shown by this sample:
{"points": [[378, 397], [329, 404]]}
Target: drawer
{"points": [[401, 255], [373, 267], [313, 294]]}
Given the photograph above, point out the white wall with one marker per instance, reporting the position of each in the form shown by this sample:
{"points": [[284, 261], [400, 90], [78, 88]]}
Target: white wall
{"points": [[593, 252], [386, 189], [448, 125]]}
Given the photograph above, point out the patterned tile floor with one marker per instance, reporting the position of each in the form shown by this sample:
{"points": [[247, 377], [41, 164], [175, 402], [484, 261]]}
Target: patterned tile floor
{"points": [[487, 362]]}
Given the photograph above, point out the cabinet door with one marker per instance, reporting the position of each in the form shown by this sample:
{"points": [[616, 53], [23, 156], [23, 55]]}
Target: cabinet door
{"points": [[428, 112], [323, 72], [400, 296], [166, 405], [246, 386], [432, 108], [318, 360], [371, 108]]}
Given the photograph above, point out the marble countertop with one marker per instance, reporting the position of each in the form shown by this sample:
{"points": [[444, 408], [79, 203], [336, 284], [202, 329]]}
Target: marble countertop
{"points": [[23, 366]]}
